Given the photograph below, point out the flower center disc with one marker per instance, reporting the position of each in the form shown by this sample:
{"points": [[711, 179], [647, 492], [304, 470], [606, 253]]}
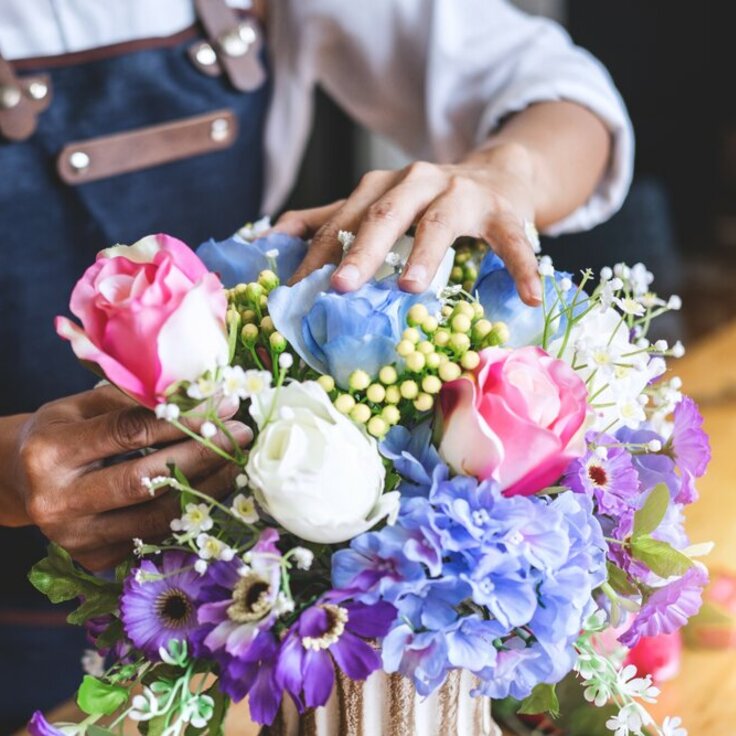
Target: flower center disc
{"points": [[250, 599], [598, 475], [174, 608]]}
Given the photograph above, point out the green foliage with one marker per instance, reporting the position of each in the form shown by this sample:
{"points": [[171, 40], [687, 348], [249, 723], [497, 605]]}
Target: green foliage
{"points": [[543, 699], [96, 697], [650, 515], [94, 730], [660, 557], [58, 578], [620, 582]]}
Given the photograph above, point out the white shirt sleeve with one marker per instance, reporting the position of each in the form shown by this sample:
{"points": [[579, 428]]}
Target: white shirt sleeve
{"points": [[438, 76]]}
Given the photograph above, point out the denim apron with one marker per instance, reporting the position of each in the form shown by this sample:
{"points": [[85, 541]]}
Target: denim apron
{"points": [[49, 234]]}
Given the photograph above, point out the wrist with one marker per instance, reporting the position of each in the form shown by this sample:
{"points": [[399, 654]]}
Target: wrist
{"points": [[12, 504]]}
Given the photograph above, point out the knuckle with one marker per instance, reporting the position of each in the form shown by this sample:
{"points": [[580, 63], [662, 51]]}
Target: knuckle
{"points": [[371, 178], [436, 218], [41, 509], [130, 478], [132, 428], [289, 215], [421, 170], [384, 210], [460, 186]]}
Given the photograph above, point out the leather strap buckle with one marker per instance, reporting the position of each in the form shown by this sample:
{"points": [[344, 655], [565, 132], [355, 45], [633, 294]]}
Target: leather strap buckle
{"points": [[234, 45], [22, 99]]}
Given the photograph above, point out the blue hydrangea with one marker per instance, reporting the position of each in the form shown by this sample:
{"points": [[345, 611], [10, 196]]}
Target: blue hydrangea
{"points": [[339, 333], [239, 262]]}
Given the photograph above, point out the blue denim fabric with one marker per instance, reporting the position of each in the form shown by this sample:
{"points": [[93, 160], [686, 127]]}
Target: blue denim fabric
{"points": [[50, 233]]}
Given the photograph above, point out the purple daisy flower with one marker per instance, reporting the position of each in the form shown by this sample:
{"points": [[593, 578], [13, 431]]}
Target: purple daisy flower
{"points": [[690, 447], [156, 611], [611, 480], [333, 631], [39, 726], [669, 607], [238, 601]]}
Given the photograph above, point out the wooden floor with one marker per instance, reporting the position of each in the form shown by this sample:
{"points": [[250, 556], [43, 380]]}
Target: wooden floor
{"points": [[704, 693]]}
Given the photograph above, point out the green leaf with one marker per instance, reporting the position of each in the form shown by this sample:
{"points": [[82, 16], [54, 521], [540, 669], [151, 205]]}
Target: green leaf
{"points": [[111, 635], [96, 697], [123, 570], [543, 699], [650, 515], [660, 557], [232, 337], [620, 582], [154, 727], [96, 604], [222, 703], [56, 577]]}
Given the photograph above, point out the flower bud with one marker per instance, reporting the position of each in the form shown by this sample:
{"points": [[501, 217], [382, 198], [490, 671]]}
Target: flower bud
{"points": [[387, 375], [423, 402], [412, 335], [481, 329], [375, 393], [359, 380], [431, 384], [415, 362], [446, 310], [456, 274], [464, 308], [501, 331], [430, 325], [254, 292], [268, 280], [277, 342], [425, 347], [409, 389], [377, 427], [249, 334], [267, 325], [393, 395], [405, 348], [459, 342], [449, 371], [344, 403], [470, 360], [327, 383], [460, 323], [441, 338], [360, 413], [391, 414], [248, 316], [417, 314], [433, 360]]}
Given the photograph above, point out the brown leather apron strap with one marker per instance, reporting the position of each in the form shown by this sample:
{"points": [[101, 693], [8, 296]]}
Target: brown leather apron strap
{"points": [[236, 44], [22, 99]]}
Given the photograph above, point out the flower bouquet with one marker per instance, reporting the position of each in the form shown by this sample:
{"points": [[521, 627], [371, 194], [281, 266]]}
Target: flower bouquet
{"points": [[442, 487]]}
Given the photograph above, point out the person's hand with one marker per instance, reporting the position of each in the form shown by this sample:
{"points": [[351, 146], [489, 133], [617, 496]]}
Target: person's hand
{"points": [[489, 197], [94, 511]]}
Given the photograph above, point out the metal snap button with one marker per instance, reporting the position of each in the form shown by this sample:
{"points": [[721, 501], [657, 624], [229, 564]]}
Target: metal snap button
{"points": [[205, 55], [219, 130], [9, 97], [79, 161], [38, 90]]}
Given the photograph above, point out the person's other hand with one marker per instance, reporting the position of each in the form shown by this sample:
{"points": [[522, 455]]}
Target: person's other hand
{"points": [[92, 510], [488, 197]]}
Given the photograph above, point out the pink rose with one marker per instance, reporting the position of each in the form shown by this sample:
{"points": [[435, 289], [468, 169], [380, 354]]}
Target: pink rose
{"points": [[520, 423], [152, 315]]}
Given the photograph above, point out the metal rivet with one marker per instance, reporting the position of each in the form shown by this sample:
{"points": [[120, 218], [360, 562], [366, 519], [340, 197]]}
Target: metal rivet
{"points": [[232, 44], [38, 90], [247, 33], [219, 130], [79, 161], [205, 55], [9, 97]]}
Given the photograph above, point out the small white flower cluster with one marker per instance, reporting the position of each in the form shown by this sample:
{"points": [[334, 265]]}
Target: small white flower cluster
{"points": [[605, 682], [93, 663], [346, 239], [210, 549], [664, 396], [195, 520], [253, 230]]}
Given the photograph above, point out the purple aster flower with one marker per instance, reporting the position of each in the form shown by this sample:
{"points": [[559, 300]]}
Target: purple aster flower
{"points": [[39, 726], [156, 611], [652, 467], [690, 447], [669, 607], [331, 632], [238, 601], [254, 674], [612, 481]]}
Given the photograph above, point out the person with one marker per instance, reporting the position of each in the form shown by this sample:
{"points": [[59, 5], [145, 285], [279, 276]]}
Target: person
{"points": [[191, 117]]}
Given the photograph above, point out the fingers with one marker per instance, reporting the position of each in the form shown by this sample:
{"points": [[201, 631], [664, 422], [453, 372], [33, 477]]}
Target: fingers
{"points": [[325, 246], [123, 484], [304, 223], [385, 221], [506, 235], [88, 404]]}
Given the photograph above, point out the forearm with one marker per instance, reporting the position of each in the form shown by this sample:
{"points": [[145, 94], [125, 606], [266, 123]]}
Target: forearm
{"points": [[560, 149], [12, 508]]}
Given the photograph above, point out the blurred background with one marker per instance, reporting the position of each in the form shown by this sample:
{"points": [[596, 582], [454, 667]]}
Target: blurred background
{"points": [[671, 60]]}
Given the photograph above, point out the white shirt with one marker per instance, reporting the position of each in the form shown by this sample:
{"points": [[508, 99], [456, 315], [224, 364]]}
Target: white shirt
{"points": [[433, 76]]}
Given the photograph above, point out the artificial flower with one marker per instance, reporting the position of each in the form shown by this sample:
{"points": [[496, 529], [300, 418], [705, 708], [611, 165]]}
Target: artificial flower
{"points": [[151, 314], [39, 726], [520, 422], [658, 656], [337, 333], [237, 261], [313, 469], [163, 606]]}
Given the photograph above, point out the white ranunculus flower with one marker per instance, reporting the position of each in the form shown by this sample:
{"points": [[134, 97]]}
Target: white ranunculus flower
{"points": [[313, 469]]}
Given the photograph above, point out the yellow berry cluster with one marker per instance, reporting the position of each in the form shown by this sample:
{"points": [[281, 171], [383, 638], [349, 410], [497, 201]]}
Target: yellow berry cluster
{"points": [[469, 253], [248, 307], [433, 351]]}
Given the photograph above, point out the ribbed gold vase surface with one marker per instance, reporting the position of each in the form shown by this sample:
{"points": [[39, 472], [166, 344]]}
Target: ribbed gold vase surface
{"points": [[388, 705]]}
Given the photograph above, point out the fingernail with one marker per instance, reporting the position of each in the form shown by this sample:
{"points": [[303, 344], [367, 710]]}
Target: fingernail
{"points": [[242, 433], [534, 291], [348, 274], [415, 273]]}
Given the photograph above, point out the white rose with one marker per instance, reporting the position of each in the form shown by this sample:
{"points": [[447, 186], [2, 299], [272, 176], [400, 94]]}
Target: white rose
{"points": [[312, 469]]}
